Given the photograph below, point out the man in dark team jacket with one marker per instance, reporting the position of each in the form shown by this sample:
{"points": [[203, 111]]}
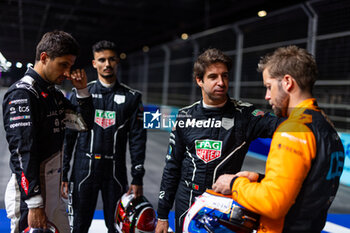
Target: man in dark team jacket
{"points": [[99, 159], [211, 137], [35, 113]]}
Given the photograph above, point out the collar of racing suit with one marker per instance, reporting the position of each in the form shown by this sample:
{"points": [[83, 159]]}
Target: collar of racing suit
{"points": [[107, 85], [42, 83], [215, 109], [213, 106], [104, 89], [300, 108]]}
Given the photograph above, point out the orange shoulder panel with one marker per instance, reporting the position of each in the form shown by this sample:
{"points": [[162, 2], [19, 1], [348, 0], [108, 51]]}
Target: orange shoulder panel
{"points": [[292, 149]]}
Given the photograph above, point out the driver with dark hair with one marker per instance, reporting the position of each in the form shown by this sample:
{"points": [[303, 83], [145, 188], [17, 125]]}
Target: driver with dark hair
{"points": [[99, 154], [211, 137], [35, 114]]}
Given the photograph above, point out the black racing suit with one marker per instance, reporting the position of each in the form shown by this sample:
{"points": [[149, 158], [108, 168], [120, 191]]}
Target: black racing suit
{"points": [[99, 157], [34, 120], [205, 143]]}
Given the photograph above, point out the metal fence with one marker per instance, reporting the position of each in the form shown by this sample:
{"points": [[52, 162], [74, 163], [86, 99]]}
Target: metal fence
{"points": [[164, 73]]}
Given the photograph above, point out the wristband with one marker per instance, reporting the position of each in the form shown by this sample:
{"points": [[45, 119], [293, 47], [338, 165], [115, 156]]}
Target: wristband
{"points": [[83, 93], [232, 181], [261, 176], [35, 202]]}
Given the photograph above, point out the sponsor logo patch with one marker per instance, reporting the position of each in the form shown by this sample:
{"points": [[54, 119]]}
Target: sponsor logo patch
{"points": [[19, 101], [97, 96], [227, 123], [290, 149], [44, 94], [258, 112], [19, 118], [12, 110], [52, 113], [24, 183], [195, 186], [23, 108], [119, 99], [104, 119], [20, 124], [208, 150]]}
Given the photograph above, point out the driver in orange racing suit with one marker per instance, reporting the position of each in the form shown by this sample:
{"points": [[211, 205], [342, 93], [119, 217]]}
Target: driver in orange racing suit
{"points": [[306, 156]]}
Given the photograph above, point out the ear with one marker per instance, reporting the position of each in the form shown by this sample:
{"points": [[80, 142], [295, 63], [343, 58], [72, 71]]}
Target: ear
{"points": [[288, 82], [44, 57], [94, 63], [199, 81]]}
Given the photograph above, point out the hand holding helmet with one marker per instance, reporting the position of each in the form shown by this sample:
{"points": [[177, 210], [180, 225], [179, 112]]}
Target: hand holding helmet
{"points": [[51, 228], [134, 215], [213, 212]]}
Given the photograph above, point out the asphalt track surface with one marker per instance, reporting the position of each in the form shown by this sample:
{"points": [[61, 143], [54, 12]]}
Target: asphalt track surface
{"points": [[157, 142]]}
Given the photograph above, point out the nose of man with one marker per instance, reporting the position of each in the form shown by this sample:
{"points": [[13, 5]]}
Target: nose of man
{"points": [[221, 81], [267, 95], [108, 63]]}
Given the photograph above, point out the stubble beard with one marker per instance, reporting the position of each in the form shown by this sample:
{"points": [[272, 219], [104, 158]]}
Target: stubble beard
{"points": [[217, 98], [282, 102]]}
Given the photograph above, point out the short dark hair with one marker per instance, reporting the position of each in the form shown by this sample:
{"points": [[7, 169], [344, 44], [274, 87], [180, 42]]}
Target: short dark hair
{"points": [[104, 45], [207, 58], [292, 60], [57, 44]]}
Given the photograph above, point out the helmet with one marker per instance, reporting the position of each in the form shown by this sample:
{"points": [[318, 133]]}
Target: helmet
{"points": [[134, 215], [213, 212], [51, 228]]}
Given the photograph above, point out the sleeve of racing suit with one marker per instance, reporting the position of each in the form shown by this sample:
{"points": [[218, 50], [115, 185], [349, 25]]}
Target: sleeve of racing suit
{"points": [[83, 93], [287, 165], [137, 142], [83, 106], [70, 139], [20, 115], [261, 124], [69, 144], [171, 174]]}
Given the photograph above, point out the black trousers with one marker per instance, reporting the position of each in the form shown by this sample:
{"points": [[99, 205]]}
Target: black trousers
{"points": [[88, 178], [185, 197]]}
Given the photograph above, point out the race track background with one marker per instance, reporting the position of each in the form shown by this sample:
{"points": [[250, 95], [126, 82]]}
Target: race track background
{"points": [[338, 219]]}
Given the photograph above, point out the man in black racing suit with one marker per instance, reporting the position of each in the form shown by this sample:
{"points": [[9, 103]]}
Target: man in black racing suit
{"points": [[99, 157], [34, 119], [211, 137]]}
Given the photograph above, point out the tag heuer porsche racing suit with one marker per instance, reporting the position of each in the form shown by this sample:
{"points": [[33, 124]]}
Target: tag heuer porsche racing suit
{"points": [[99, 157], [34, 120], [205, 143]]}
